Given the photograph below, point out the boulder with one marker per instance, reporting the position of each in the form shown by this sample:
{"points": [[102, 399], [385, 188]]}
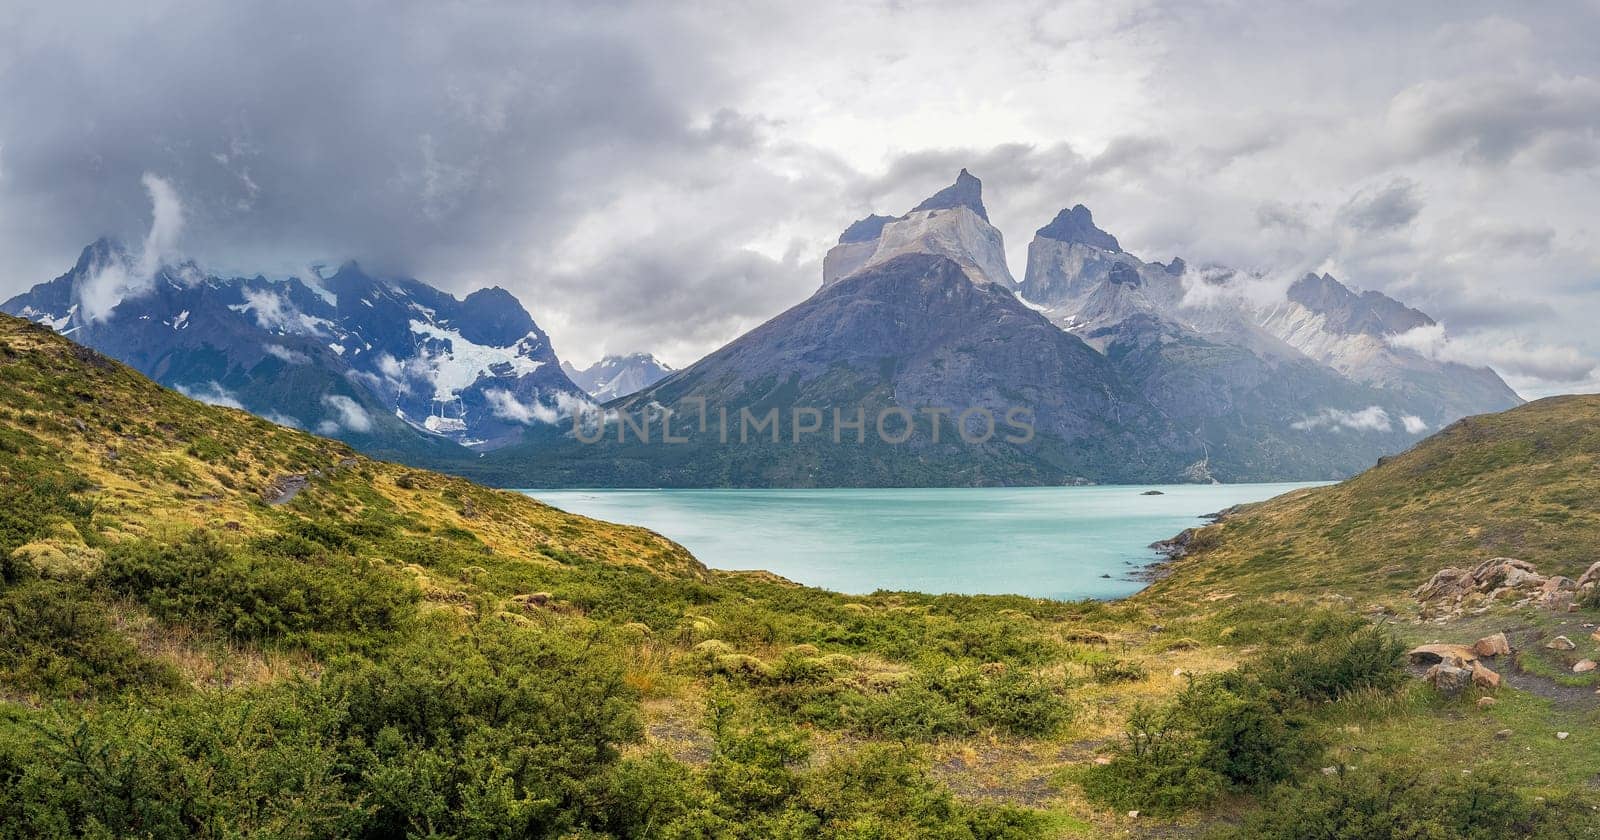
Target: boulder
{"points": [[1445, 583], [1584, 666], [1483, 677], [1557, 592], [1486, 702], [1592, 575], [1561, 643], [1435, 654], [1496, 645], [1448, 679]]}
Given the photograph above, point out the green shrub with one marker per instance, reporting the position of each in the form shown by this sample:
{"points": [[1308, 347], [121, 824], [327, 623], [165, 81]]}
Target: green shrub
{"points": [[1402, 803], [961, 699], [57, 642], [1110, 670], [1334, 665], [283, 587]]}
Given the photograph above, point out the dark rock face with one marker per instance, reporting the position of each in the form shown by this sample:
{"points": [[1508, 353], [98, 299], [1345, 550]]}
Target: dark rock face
{"points": [[1372, 313], [394, 366], [865, 230], [1076, 224], [967, 192], [1123, 274], [912, 333]]}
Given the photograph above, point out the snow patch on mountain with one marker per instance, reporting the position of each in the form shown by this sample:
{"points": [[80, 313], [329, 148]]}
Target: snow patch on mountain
{"points": [[452, 363]]}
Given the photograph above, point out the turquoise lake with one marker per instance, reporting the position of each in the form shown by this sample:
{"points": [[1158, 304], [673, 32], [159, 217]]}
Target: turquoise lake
{"points": [[1050, 542]]}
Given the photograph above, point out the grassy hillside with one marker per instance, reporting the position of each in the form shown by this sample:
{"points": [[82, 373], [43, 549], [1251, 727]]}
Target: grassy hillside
{"points": [[218, 627], [1520, 484]]}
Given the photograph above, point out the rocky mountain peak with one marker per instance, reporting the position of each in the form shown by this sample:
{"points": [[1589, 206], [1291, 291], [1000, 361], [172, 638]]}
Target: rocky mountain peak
{"points": [[99, 253], [495, 317], [967, 192], [1076, 224], [1371, 313]]}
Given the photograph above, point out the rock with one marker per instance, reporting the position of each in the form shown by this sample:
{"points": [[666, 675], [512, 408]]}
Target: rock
{"points": [[1445, 583], [1503, 734], [533, 600], [1496, 645], [1595, 635], [1486, 702], [1152, 493], [1583, 666], [1330, 771], [1561, 736], [1440, 653], [1133, 815], [1488, 569], [1592, 575], [1448, 679], [1102, 760], [1560, 643], [1483, 677]]}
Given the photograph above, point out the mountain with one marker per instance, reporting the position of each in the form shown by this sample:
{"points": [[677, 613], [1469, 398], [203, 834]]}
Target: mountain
{"points": [[1312, 387], [1356, 334], [617, 376], [911, 334], [951, 223], [392, 365]]}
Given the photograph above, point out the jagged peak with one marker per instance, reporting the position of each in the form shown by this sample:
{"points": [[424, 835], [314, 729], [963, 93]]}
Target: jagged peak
{"points": [[99, 253], [967, 191], [1075, 224], [1177, 267], [1370, 312]]}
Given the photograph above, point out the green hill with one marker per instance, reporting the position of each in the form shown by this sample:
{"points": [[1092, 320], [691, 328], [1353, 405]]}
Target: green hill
{"points": [[218, 627], [1522, 483]]}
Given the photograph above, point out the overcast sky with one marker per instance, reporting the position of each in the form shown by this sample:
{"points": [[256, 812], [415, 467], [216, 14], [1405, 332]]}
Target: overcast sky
{"points": [[661, 177]]}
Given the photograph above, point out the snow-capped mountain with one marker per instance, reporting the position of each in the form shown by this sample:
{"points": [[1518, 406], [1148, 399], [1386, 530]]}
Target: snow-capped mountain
{"points": [[1316, 378], [618, 376], [951, 223], [391, 364]]}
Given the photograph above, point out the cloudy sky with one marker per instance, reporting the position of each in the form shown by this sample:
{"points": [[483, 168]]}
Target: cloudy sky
{"points": [[662, 176]]}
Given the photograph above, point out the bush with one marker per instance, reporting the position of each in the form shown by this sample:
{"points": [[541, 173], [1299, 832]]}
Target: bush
{"points": [[959, 700], [1110, 671], [283, 587], [1402, 803], [58, 643], [1330, 668]]}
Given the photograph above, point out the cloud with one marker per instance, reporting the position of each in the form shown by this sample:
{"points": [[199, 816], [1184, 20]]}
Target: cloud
{"points": [[346, 414], [273, 311], [1370, 419], [118, 277], [1389, 207], [505, 405], [1414, 425], [605, 162], [1511, 355], [1493, 119], [211, 393], [283, 420], [293, 357]]}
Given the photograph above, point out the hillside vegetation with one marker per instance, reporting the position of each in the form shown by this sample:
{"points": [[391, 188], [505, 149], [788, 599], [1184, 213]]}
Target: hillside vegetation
{"points": [[1524, 483], [218, 627]]}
